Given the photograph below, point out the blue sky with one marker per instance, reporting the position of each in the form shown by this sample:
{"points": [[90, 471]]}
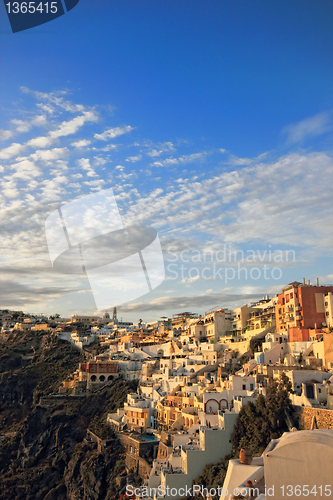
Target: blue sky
{"points": [[211, 121]]}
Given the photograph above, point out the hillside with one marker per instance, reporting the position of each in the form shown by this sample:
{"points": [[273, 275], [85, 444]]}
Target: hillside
{"points": [[46, 452]]}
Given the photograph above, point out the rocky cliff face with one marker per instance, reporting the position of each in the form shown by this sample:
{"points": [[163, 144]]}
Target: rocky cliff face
{"points": [[46, 453], [50, 457]]}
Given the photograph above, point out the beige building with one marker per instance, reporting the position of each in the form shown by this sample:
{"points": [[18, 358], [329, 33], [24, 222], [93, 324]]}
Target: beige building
{"points": [[84, 319], [212, 325], [138, 419], [328, 303], [41, 326], [240, 317], [22, 326], [328, 350], [262, 314]]}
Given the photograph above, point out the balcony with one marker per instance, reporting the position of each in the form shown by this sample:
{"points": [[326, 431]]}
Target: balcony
{"points": [[257, 481]]}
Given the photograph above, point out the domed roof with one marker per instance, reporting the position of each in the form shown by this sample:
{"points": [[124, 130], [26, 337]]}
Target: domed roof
{"points": [[106, 315]]}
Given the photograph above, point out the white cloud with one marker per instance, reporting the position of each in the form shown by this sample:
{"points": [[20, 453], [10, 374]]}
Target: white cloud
{"points": [[191, 280], [39, 121], [21, 126], [56, 99], [40, 142], [10, 193], [249, 201], [54, 189], [134, 158], [96, 184], [49, 154], [161, 148], [234, 160], [81, 144], [25, 170], [46, 107], [273, 202], [5, 134], [12, 150], [72, 126], [192, 158], [84, 163], [111, 133], [66, 128], [310, 127], [100, 161]]}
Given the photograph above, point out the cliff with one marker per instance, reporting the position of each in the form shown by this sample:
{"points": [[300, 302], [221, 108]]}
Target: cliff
{"points": [[46, 452]]}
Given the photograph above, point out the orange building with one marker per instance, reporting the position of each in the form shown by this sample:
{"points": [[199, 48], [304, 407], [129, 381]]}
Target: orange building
{"points": [[301, 307]]}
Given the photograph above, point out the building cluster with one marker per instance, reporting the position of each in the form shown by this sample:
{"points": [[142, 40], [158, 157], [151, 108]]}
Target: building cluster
{"points": [[196, 372]]}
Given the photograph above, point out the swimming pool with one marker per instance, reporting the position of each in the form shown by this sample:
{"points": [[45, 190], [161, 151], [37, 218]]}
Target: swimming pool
{"points": [[149, 438]]}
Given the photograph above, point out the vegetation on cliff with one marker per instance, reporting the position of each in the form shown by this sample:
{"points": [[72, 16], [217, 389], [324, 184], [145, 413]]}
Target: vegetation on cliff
{"points": [[260, 422]]}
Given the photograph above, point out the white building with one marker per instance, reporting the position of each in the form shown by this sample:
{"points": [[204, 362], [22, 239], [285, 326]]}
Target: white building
{"points": [[297, 465], [204, 445]]}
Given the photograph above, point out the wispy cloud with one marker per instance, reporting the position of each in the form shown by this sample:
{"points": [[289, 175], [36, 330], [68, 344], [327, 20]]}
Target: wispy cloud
{"points": [[111, 133], [191, 302], [134, 159], [266, 200], [309, 127], [191, 158], [161, 148]]}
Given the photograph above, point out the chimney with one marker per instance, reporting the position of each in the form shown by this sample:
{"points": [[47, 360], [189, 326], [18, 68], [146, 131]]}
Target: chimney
{"points": [[317, 281], [303, 281], [309, 283]]}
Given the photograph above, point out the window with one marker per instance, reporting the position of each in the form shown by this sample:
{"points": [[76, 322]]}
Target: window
{"points": [[251, 387], [244, 387]]}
